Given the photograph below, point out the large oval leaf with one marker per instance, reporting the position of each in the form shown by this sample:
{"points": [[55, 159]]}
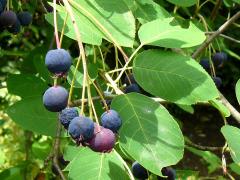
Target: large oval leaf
{"points": [[166, 33], [96, 166], [173, 77], [31, 115], [185, 3], [232, 135], [149, 134], [237, 90], [114, 16]]}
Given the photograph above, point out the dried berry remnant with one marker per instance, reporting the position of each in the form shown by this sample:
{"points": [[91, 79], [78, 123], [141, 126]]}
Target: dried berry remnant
{"points": [[103, 140], [25, 18], [169, 172], [111, 120], [8, 18], [15, 29], [219, 58], [58, 61], [132, 88], [81, 128], [55, 98], [139, 171], [67, 115], [204, 62], [217, 81]]}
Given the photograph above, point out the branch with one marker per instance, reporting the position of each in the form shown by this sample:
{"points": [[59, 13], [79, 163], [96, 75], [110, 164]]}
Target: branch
{"points": [[204, 148], [224, 36], [217, 33], [232, 110], [56, 151]]}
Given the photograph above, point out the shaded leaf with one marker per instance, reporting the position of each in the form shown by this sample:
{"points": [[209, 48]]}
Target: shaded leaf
{"points": [[237, 89], [31, 115], [185, 3]]}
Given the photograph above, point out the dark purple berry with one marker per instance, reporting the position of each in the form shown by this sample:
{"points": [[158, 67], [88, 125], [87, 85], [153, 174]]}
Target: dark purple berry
{"points": [[25, 18], [219, 58], [62, 161], [15, 29], [169, 172], [111, 120], [139, 171], [55, 98], [132, 88], [66, 115], [8, 18], [58, 61], [217, 81], [130, 79], [103, 140], [81, 128], [204, 62]]}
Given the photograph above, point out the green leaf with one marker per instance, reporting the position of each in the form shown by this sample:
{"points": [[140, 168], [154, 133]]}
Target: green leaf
{"points": [[98, 166], [78, 81], [185, 3], [236, 1], [232, 136], [222, 108], [212, 159], [31, 115], [237, 89], [235, 168], [187, 174], [19, 84], [173, 77], [147, 10], [114, 16], [167, 33], [149, 133]]}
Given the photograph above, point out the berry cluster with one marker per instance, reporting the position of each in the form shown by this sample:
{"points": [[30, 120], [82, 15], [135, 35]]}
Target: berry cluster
{"points": [[140, 172], [218, 60], [82, 129], [11, 21]]}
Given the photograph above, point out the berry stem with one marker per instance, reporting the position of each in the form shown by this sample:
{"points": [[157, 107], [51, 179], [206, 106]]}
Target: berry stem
{"points": [[63, 29], [55, 81], [73, 80], [55, 24], [101, 94], [124, 164], [82, 51]]}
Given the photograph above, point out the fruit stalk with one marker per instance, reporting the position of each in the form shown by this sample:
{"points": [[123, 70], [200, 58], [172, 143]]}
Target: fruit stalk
{"points": [[55, 24]]}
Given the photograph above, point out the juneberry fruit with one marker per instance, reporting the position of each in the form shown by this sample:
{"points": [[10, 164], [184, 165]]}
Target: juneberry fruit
{"points": [[204, 62], [25, 18], [66, 115], [14, 29], [217, 81], [58, 61], [219, 58], [103, 140], [130, 79], [169, 172], [55, 98], [111, 120], [81, 128], [8, 18], [132, 88], [139, 171]]}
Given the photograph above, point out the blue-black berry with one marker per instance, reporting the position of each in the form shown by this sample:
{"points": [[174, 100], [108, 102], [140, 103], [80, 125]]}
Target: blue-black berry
{"points": [[55, 98], [111, 120], [67, 115]]}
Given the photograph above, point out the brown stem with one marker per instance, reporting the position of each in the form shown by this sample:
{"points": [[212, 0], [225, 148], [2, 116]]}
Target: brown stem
{"points": [[224, 36], [216, 9], [56, 151], [204, 148]]}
